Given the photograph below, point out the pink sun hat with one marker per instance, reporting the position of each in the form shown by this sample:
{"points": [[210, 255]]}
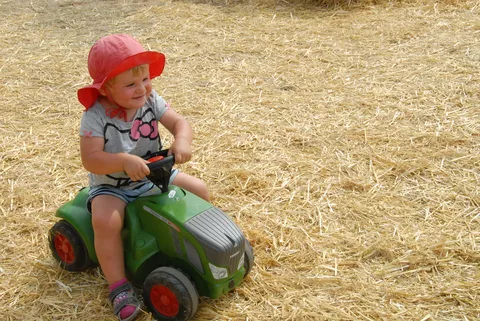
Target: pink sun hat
{"points": [[112, 55]]}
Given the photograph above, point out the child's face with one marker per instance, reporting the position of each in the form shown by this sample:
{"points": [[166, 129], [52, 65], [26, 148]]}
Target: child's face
{"points": [[131, 89]]}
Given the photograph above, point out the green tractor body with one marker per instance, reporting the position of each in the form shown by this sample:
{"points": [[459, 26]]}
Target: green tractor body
{"points": [[175, 229]]}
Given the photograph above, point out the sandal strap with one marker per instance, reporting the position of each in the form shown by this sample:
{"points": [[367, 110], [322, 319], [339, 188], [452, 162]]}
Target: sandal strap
{"points": [[127, 301], [126, 287], [129, 298]]}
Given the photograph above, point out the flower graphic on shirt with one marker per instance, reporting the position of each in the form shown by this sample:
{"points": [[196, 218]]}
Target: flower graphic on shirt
{"points": [[144, 129], [145, 126]]}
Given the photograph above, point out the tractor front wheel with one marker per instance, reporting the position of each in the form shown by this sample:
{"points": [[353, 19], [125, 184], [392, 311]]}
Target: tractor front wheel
{"points": [[249, 258], [170, 295]]}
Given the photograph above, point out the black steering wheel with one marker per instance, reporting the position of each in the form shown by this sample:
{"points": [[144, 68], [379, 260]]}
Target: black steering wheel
{"points": [[160, 167]]}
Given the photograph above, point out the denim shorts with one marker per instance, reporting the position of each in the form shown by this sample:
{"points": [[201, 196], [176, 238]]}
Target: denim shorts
{"points": [[128, 196]]}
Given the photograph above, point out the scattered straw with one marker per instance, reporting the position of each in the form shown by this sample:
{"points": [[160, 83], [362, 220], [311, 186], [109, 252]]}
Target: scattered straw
{"points": [[345, 143]]}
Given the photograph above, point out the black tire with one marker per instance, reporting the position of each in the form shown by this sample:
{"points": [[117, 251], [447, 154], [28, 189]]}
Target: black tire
{"points": [[249, 258], [170, 295], [68, 248]]}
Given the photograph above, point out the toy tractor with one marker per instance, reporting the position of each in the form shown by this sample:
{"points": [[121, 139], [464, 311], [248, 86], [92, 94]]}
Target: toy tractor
{"points": [[177, 246]]}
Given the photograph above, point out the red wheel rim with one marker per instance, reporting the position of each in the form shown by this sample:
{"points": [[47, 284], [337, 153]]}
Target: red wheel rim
{"points": [[164, 300], [64, 249]]}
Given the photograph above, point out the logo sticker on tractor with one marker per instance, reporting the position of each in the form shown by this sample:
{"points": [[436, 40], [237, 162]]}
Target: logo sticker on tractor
{"points": [[149, 210], [172, 194]]}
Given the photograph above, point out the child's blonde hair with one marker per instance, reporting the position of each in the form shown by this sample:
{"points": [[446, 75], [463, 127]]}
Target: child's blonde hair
{"points": [[135, 71]]}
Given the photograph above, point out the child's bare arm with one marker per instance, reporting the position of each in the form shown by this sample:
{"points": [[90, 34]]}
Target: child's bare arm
{"points": [[183, 134], [96, 161]]}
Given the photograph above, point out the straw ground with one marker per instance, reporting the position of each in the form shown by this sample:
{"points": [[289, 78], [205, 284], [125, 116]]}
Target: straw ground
{"points": [[344, 142]]}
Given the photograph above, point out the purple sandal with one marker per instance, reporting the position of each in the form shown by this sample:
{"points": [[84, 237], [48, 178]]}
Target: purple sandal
{"points": [[122, 296]]}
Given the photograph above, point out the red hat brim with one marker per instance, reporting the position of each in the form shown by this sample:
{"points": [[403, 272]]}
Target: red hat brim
{"points": [[156, 60]]}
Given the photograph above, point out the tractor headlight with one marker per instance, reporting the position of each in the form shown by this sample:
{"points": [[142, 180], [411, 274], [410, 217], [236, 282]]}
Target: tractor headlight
{"points": [[218, 272], [241, 262]]}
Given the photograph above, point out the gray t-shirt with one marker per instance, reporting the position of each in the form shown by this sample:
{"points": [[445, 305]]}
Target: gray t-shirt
{"points": [[139, 137]]}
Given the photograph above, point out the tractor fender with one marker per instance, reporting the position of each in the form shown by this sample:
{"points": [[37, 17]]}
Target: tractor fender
{"points": [[76, 213], [139, 245]]}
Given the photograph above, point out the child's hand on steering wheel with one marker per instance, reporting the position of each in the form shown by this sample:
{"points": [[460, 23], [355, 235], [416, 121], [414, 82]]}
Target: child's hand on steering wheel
{"points": [[135, 167], [181, 149]]}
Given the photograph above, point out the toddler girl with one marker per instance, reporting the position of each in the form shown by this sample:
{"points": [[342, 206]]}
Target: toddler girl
{"points": [[118, 131]]}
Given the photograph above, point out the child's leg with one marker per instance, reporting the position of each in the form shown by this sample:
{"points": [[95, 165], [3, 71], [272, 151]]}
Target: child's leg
{"points": [[192, 184], [107, 221]]}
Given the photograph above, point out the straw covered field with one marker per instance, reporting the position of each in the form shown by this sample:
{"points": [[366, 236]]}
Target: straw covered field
{"points": [[345, 142]]}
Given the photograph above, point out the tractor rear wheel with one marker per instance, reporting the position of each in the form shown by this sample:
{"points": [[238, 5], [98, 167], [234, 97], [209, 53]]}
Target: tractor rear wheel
{"points": [[68, 248]]}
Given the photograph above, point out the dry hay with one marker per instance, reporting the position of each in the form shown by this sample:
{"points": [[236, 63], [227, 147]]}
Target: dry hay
{"points": [[344, 143]]}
